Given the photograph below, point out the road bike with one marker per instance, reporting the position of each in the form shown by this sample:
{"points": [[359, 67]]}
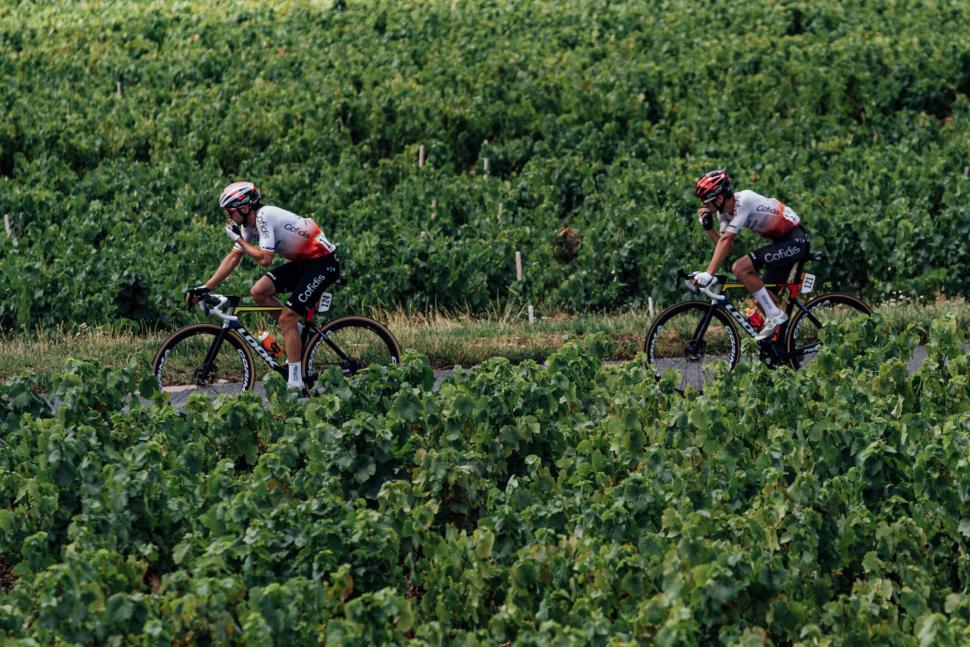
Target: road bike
{"points": [[688, 337], [218, 358]]}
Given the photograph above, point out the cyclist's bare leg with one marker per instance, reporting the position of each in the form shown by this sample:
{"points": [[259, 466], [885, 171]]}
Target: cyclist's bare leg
{"points": [[743, 268], [264, 294], [289, 325]]}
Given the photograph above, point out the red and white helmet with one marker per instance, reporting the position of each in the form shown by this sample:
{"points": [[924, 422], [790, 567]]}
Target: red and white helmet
{"points": [[713, 184], [239, 194]]}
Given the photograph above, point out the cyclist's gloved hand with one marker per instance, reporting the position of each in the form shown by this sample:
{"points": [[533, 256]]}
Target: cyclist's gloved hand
{"points": [[192, 296], [706, 218], [703, 279], [233, 232]]}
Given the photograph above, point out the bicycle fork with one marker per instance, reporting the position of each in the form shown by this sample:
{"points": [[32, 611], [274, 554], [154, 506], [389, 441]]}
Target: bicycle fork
{"points": [[201, 374]]}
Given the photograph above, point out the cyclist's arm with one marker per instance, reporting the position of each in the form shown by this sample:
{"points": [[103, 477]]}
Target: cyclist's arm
{"points": [[228, 264], [261, 256], [723, 247]]}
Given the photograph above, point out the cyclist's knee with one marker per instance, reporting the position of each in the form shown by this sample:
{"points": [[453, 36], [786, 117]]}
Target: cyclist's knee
{"points": [[262, 290], [289, 317], [742, 266]]}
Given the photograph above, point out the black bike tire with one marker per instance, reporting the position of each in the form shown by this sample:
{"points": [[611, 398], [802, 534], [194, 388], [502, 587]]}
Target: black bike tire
{"points": [[679, 308], [205, 329], [351, 321], [796, 321]]}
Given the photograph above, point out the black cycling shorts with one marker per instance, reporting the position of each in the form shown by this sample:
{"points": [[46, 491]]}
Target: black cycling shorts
{"points": [[778, 258], [306, 279]]}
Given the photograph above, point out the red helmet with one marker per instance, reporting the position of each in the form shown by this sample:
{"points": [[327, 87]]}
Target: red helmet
{"points": [[238, 194], [713, 184]]}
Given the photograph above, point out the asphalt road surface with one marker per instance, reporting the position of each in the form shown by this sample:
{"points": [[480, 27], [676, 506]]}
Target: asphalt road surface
{"points": [[178, 398]]}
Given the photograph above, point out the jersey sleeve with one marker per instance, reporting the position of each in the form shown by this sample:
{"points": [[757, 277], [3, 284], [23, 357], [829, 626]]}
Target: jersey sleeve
{"points": [[249, 235], [740, 216]]}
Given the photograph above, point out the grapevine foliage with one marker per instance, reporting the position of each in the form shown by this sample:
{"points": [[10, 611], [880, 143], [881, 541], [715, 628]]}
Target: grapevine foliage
{"points": [[563, 502], [120, 124]]}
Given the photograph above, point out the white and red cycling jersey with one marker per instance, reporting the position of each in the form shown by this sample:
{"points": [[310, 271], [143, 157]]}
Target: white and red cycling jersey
{"points": [[282, 232], [765, 216]]}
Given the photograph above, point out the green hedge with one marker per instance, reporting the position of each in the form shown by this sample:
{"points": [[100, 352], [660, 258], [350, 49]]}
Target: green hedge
{"points": [[598, 116]]}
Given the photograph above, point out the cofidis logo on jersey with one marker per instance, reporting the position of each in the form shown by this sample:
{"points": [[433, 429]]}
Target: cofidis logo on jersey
{"points": [[299, 232]]}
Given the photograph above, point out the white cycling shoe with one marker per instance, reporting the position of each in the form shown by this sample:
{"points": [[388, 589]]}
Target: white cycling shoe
{"points": [[770, 325]]}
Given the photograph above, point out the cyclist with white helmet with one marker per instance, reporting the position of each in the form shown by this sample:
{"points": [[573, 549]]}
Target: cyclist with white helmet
{"points": [[261, 231], [767, 217]]}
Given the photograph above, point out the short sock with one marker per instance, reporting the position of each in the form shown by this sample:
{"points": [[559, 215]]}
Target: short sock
{"points": [[767, 303]]}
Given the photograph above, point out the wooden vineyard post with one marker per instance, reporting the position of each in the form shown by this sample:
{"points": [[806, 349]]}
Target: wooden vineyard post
{"points": [[520, 278]]}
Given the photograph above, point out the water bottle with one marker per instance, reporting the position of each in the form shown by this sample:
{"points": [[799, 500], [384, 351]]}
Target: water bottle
{"points": [[270, 344], [754, 317]]}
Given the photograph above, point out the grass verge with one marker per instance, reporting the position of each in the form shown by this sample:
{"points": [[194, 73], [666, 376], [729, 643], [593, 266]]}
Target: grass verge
{"points": [[447, 340]]}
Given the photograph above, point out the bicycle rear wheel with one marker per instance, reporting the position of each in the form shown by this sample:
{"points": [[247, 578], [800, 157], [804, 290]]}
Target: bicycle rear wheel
{"points": [[688, 338], [802, 341], [184, 364], [352, 344]]}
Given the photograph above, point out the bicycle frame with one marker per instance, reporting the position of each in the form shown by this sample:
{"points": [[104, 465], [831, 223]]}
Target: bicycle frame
{"points": [[794, 290], [230, 321], [772, 353], [679, 339]]}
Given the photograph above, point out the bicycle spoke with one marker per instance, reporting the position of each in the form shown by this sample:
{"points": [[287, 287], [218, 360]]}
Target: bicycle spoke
{"points": [[181, 366], [804, 340], [350, 346], [688, 340]]}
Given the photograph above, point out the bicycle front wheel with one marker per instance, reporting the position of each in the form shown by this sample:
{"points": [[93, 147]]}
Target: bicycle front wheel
{"points": [[351, 344], [188, 363], [688, 338], [803, 340]]}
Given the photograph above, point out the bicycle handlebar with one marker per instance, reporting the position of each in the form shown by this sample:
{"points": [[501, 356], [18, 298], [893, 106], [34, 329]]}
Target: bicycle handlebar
{"points": [[211, 303], [693, 287]]}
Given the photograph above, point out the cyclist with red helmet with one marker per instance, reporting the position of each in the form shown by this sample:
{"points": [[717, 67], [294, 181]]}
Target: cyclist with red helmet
{"points": [[767, 217], [261, 231]]}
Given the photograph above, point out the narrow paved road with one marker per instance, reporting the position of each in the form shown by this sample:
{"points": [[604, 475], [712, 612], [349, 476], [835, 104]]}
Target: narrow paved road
{"points": [[917, 359]]}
